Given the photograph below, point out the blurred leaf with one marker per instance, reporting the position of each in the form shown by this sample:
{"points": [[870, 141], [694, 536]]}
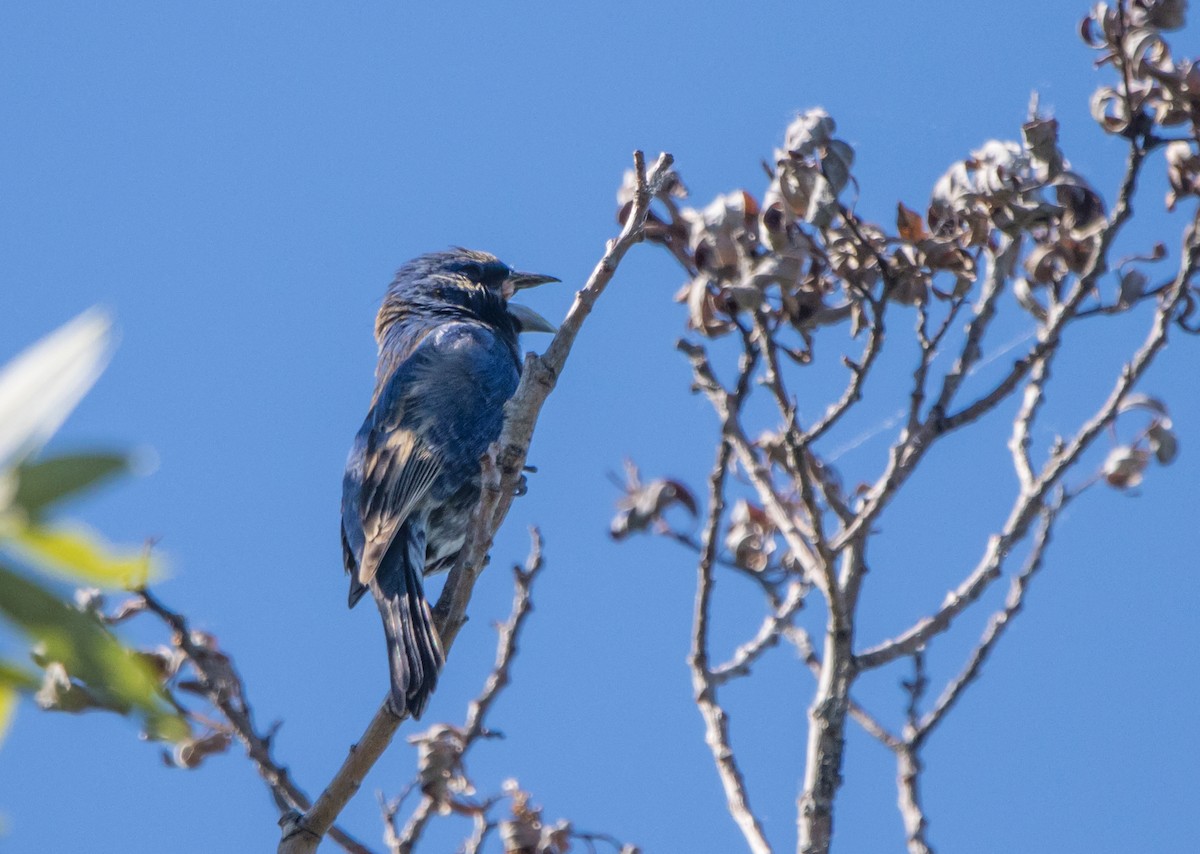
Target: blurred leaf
{"points": [[42, 483], [8, 705], [81, 555], [89, 653], [1125, 466], [643, 506], [40, 387], [1142, 401], [13, 680], [16, 677], [1163, 442], [191, 752]]}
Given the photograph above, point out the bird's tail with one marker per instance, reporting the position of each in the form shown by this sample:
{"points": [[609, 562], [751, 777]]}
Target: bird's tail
{"points": [[415, 654]]}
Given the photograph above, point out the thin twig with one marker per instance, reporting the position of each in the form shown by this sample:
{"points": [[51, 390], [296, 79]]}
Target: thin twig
{"points": [[767, 636], [1030, 501], [482, 827], [906, 453], [859, 370], [795, 444], [704, 687], [996, 625], [474, 727], [506, 648], [224, 688], [403, 842], [909, 765], [782, 516]]}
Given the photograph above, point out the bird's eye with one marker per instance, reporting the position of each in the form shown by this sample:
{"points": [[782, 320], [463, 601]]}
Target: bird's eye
{"points": [[470, 269], [493, 273], [490, 274]]}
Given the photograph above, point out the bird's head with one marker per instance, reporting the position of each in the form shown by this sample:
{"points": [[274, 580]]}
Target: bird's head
{"points": [[464, 278]]}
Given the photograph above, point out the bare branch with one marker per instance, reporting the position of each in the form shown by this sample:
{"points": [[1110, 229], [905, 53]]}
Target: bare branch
{"points": [[704, 687], [827, 717], [912, 446], [909, 766], [929, 351], [224, 688], [462, 739], [800, 458], [767, 636], [908, 785], [482, 827], [995, 628], [1034, 397], [800, 639], [784, 520], [403, 842], [999, 272], [1030, 501], [506, 648], [858, 376]]}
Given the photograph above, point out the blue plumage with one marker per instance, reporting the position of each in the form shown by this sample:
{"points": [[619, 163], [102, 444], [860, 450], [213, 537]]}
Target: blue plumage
{"points": [[448, 361]]}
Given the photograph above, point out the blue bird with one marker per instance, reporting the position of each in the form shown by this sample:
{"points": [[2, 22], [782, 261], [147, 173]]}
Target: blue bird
{"points": [[448, 361]]}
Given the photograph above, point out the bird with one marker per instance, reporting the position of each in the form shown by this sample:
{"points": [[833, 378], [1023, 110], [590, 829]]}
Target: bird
{"points": [[449, 359]]}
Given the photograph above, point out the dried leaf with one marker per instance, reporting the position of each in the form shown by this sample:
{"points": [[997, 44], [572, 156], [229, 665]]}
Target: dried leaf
{"points": [[808, 131], [1124, 467], [440, 766], [191, 752], [909, 224], [1163, 442], [996, 187], [1133, 285], [751, 536], [1024, 294], [643, 506], [1142, 401], [910, 279], [721, 234], [1183, 171], [1159, 14], [1083, 212], [705, 314], [1109, 110], [1041, 139]]}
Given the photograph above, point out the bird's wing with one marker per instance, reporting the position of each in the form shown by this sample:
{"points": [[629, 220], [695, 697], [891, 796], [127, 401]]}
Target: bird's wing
{"points": [[437, 413]]}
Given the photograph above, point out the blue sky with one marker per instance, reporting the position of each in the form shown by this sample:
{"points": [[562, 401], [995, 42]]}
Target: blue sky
{"points": [[237, 182]]}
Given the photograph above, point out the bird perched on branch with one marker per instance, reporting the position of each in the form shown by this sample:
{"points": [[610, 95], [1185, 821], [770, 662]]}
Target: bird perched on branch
{"points": [[448, 361]]}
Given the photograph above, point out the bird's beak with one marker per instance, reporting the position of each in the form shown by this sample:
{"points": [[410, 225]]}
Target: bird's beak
{"points": [[528, 319], [520, 281]]}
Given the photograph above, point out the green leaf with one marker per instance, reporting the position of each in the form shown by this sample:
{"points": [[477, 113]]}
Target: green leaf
{"points": [[8, 706], [13, 680], [78, 554], [46, 482], [89, 653], [16, 677]]}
